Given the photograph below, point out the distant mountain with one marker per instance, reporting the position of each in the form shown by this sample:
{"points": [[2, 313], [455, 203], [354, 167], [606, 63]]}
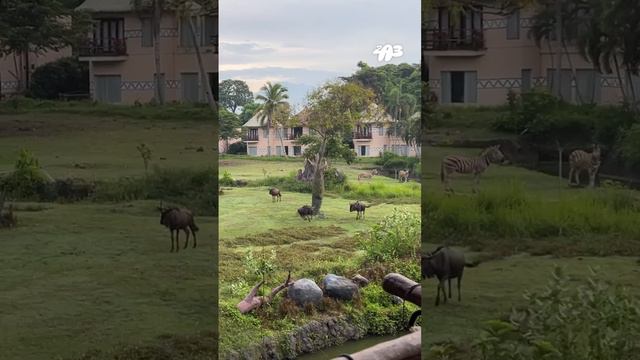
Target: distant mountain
{"points": [[298, 81]]}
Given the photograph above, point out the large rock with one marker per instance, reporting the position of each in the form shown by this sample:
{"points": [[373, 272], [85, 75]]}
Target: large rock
{"points": [[304, 291], [339, 287]]}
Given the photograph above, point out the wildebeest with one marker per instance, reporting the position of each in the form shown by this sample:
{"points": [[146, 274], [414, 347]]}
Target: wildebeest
{"points": [[580, 161], [403, 175], [359, 207], [445, 264], [306, 212], [178, 219], [275, 194]]}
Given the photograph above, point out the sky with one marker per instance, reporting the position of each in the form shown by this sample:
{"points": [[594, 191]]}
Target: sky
{"points": [[303, 43]]}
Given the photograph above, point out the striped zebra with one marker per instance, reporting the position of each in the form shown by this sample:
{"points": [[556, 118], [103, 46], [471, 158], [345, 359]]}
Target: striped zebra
{"points": [[469, 165], [580, 161]]}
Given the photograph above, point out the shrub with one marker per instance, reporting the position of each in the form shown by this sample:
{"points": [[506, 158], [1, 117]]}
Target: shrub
{"points": [[238, 148], [594, 321], [27, 180], [396, 236], [61, 76], [226, 179]]}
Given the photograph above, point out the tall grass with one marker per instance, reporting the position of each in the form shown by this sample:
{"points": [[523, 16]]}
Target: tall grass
{"points": [[510, 213], [379, 190]]}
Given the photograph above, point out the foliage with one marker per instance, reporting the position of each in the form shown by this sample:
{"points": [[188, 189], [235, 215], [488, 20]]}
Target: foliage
{"points": [[259, 266], [396, 236], [229, 124], [27, 180], [226, 179], [335, 148], [236, 148], [594, 321], [391, 81], [234, 94], [64, 75], [48, 28], [248, 110], [392, 162], [630, 146]]}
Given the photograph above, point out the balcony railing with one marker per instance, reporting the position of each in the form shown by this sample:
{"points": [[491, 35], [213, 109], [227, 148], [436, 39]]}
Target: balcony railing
{"points": [[362, 135], [112, 47], [293, 136], [458, 40], [252, 137]]}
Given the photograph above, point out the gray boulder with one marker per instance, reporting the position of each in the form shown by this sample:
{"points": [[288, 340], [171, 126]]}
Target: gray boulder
{"points": [[339, 287], [360, 280], [304, 291]]}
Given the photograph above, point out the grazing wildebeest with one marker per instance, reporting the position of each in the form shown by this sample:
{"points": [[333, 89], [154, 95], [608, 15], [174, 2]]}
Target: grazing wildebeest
{"points": [[178, 219], [580, 161], [469, 165], [306, 212], [275, 194], [403, 175], [359, 207], [445, 264]]}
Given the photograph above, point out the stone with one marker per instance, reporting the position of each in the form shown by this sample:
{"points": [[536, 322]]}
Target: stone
{"points": [[360, 280], [396, 300], [304, 291], [339, 287]]}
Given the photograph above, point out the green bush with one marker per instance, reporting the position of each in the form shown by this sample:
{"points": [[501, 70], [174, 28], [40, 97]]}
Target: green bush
{"points": [[237, 148], [396, 236], [594, 321], [226, 179], [61, 76], [27, 180]]}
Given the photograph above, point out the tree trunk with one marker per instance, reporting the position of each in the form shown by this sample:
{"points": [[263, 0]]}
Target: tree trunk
{"points": [[558, 52], [157, 19], [632, 90], [317, 186], [282, 142], [574, 73], [27, 72], [622, 89], [269, 136], [560, 152], [203, 74]]}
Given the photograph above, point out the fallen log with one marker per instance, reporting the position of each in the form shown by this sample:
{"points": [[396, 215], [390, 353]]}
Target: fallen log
{"points": [[403, 287], [252, 301], [407, 347]]}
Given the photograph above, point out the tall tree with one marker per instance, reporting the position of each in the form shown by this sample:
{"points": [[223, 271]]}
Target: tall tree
{"points": [[271, 96], [248, 110], [229, 126], [333, 110], [35, 26], [155, 8], [234, 94], [282, 118]]}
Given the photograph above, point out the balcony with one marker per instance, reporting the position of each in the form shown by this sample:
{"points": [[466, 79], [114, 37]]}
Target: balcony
{"points": [[252, 137], [362, 135], [293, 136], [110, 50], [457, 43]]}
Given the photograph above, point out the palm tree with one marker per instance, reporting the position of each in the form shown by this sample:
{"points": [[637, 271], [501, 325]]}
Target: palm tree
{"points": [[272, 96], [142, 7]]}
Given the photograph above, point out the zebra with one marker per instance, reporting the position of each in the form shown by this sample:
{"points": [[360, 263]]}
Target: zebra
{"points": [[469, 165], [580, 161]]}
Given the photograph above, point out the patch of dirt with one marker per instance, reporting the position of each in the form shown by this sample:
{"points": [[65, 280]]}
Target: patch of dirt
{"points": [[287, 236], [52, 124]]}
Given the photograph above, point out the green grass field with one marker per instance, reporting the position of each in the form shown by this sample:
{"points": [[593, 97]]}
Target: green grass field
{"points": [[249, 220], [87, 277], [508, 268]]}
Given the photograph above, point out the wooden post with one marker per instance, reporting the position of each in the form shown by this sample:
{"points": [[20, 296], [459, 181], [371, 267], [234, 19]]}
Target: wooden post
{"points": [[403, 287], [407, 347]]}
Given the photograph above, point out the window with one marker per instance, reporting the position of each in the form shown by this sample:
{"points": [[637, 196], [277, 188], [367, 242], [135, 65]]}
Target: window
{"points": [[252, 150], [252, 135], [364, 150], [513, 26], [560, 87], [278, 150], [190, 87], [587, 86], [297, 150], [525, 80], [209, 30], [381, 130], [186, 38], [457, 87], [213, 82], [147, 32]]}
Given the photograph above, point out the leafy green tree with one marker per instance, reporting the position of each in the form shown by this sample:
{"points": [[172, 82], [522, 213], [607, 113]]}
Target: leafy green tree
{"points": [[332, 110], [248, 110], [234, 94], [272, 96], [229, 125], [29, 26], [60, 76]]}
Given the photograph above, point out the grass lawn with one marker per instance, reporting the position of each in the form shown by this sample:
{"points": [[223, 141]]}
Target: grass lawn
{"points": [[249, 220], [498, 283], [86, 276]]}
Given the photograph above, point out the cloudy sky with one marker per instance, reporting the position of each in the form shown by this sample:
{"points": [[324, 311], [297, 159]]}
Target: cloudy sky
{"points": [[303, 43]]}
